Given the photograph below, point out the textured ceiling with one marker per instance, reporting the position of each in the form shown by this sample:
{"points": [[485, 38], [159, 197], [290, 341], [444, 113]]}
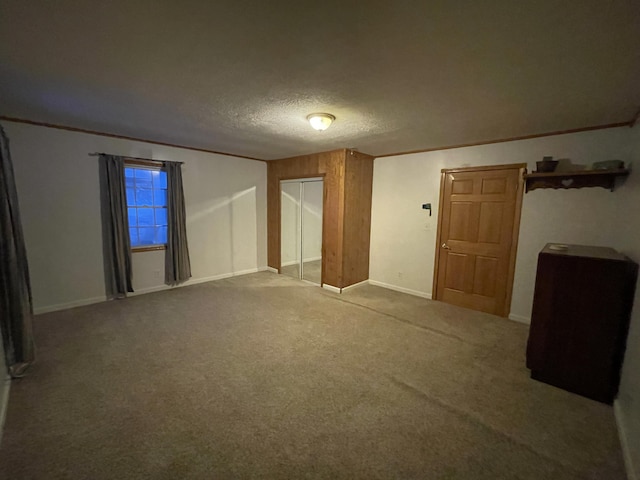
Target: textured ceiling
{"points": [[241, 76]]}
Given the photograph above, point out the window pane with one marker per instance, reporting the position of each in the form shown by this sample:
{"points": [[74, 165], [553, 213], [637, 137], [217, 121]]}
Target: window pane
{"points": [[160, 198], [133, 236], [147, 200], [161, 216], [133, 218], [155, 174], [146, 235], [143, 178], [145, 217], [163, 179], [128, 177], [144, 197], [161, 235]]}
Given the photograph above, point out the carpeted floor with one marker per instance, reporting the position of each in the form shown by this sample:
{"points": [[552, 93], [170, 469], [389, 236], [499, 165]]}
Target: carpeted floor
{"points": [[264, 376]]}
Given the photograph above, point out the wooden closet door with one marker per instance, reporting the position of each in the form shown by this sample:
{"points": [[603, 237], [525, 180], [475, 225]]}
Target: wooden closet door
{"points": [[478, 225]]}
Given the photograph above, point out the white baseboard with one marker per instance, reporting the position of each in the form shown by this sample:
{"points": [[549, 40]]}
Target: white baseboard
{"points": [[192, 281], [196, 281], [514, 317], [271, 269], [331, 288], [65, 306], [400, 289], [143, 291], [4, 404], [349, 287], [633, 473], [248, 271], [520, 318]]}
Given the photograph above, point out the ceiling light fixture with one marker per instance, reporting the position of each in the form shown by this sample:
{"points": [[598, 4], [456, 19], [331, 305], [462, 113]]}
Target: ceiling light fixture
{"points": [[320, 121]]}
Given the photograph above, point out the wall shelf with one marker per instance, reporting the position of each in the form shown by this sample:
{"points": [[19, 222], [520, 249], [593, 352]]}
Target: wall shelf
{"points": [[579, 179]]}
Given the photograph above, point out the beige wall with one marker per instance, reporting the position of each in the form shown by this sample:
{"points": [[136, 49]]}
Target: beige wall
{"points": [[58, 191], [403, 235]]}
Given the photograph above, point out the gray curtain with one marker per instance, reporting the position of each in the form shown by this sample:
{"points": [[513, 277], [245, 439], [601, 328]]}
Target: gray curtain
{"points": [[115, 227], [16, 304], [177, 265]]}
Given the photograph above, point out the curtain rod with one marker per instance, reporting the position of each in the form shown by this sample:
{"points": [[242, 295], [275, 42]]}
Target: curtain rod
{"points": [[96, 154]]}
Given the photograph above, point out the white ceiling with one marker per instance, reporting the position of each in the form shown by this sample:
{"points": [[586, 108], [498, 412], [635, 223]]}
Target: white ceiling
{"points": [[240, 76]]}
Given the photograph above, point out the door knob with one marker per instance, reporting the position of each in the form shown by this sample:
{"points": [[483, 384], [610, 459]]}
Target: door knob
{"points": [[446, 247]]}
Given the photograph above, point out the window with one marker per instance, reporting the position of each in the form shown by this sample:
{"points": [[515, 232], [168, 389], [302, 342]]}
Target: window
{"points": [[147, 205]]}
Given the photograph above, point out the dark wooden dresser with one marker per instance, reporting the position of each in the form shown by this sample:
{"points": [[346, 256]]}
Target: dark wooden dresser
{"points": [[581, 309]]}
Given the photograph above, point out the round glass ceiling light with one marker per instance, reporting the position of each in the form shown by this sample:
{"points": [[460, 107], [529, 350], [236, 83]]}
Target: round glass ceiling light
{"points": [[320, 121]]}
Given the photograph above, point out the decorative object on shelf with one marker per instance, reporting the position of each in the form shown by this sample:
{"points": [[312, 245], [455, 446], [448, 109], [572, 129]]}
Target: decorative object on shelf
{"points": [[579, 179], [608, 165], [547, 164]]}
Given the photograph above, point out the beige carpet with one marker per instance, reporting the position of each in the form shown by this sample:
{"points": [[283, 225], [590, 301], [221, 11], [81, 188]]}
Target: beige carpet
{"points": [[263, 376]]}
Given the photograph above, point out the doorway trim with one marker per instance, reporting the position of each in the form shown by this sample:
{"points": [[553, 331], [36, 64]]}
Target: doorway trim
{"points": [[522, 167]]}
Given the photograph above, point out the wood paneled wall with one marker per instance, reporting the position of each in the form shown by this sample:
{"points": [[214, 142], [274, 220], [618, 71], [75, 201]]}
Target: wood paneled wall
{"points": [[357, 217], [346, 221], [329, 165]]}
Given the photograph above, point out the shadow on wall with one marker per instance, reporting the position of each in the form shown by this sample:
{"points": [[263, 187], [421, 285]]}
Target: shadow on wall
{"points": [[226, 232], [311, 209]]}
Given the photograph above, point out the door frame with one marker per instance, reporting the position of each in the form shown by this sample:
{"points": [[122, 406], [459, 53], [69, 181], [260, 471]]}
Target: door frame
{"points": [[522, 167]]}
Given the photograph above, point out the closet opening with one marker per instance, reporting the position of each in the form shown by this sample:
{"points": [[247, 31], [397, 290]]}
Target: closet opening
{"points": [[301, 228]]}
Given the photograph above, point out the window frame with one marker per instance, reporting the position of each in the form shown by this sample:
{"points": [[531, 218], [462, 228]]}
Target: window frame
{"points": [[150, 165]]}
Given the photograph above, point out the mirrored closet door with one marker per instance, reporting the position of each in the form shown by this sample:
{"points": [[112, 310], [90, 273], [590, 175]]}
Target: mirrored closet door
{"points": [[301, 228]]}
